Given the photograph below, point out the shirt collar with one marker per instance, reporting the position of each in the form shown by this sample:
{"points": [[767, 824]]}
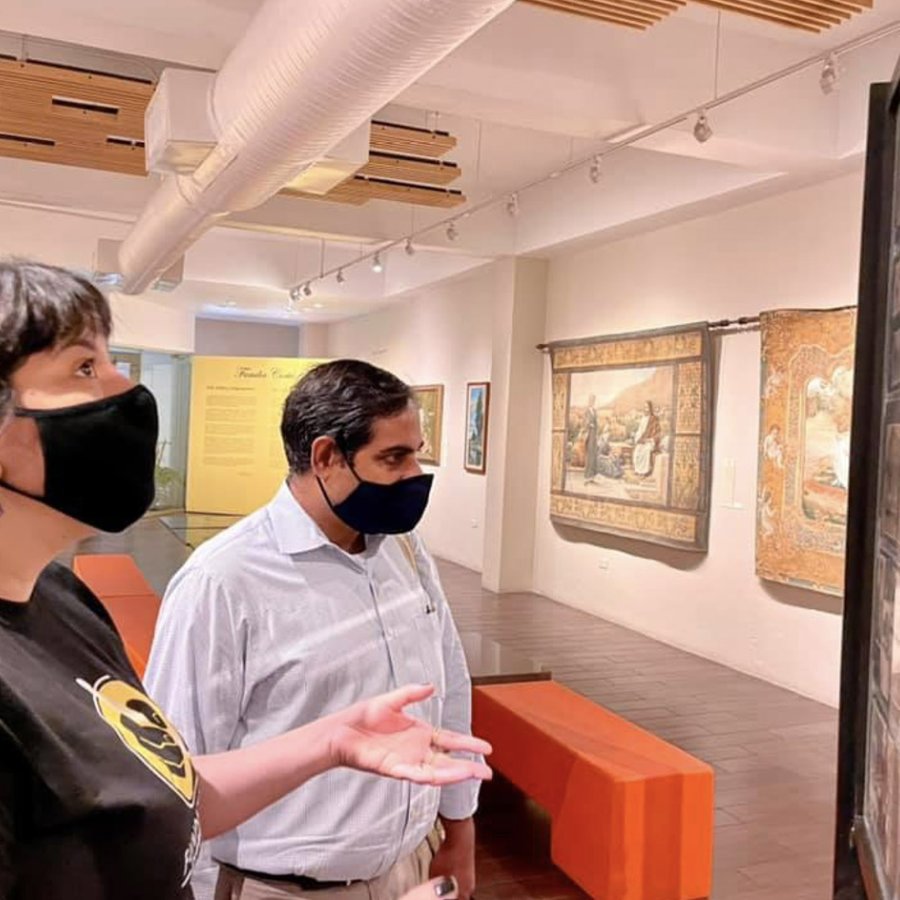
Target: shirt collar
{"points": [[296, 531]]}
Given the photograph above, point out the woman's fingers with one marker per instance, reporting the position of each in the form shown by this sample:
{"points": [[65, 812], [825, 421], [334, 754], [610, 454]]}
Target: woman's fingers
{"points": [[410, 693], [439, 769], [453, 740]]}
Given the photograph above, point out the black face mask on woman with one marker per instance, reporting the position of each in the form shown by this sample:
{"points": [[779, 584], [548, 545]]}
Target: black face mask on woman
{"points": [[99, 458], [375, 508]]}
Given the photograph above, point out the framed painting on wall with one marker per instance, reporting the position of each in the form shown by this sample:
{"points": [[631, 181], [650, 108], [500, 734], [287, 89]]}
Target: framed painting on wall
{"points": [[804, 446], [430, 400], [478, 401], [632, 435]]}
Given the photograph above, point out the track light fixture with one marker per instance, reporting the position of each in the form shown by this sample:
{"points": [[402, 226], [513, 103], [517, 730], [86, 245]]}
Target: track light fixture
{"points": [[452, 233], [377, 265], [828, 78], [410, 250], [702, 129], [294, 294], [595, 173], [512, 205], [307, 289], [340, 278]]}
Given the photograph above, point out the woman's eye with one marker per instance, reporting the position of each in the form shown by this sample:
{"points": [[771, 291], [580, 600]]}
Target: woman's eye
{"points": [[86, 369]]}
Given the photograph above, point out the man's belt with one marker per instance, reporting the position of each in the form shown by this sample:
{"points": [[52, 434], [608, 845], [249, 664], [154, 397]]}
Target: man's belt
{"points": [[303, 882]]}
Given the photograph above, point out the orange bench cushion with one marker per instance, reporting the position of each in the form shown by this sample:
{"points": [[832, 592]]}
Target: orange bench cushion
{"points": [[130, 601], [632, 815], [112, 574]]}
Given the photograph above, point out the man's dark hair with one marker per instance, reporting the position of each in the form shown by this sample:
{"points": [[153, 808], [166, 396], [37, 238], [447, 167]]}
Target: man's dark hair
{"points": [[42, 307], [341, 400]]}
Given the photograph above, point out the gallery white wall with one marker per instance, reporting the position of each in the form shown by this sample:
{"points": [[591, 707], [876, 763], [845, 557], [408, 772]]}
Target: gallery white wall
{"points": [[68, 239], [438, 336], [799, 249], [217, 337]]}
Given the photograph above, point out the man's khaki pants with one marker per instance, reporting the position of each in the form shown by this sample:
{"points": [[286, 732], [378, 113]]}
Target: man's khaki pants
{"points": [[404, 876]]}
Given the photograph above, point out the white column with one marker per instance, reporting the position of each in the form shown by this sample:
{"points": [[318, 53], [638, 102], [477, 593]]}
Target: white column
{"points": [[514, 431]]}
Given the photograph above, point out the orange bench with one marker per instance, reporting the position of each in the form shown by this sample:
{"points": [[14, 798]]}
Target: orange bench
{"points": [[632, 816], [132, 604]]}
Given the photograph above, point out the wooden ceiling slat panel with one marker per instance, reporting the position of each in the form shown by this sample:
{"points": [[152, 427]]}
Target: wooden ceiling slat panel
{"points": [[777, 8], [50, 81], [833, 15], [65, 124], [410, 141], [807, 15], [358, 191], [416, 171], [739, 6], [81, 134], [612, 9], [595, 13]]}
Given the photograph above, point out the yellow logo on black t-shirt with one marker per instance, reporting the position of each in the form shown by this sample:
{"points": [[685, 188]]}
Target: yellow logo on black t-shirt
{"points": [[146, 732]]}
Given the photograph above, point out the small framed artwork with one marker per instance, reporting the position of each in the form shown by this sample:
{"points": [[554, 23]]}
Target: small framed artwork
{"points": [[478, 401], [430, 400]]}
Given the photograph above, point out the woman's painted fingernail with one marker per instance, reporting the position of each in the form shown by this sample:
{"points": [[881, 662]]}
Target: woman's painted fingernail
{"points": [[446, 887]]}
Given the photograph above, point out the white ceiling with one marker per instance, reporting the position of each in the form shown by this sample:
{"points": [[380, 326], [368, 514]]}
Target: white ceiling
{"points": [[530, 93]]}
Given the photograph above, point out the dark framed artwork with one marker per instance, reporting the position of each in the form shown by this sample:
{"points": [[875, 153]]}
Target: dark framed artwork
{"points": [[867, 839], [632, 432], [478, 404], [430, 400]]}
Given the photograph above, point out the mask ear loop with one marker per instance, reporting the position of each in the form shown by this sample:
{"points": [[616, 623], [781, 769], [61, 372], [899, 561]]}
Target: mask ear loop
{"points": [[321, 483], [347, 459]]}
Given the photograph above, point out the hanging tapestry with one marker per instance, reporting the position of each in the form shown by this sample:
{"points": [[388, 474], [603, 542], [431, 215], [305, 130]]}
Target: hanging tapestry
{"points": [[804, 446], [632, 434]]}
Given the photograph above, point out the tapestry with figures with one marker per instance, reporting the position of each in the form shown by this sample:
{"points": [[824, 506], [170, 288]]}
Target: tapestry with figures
{"points": [[804, 446], [632, 435]]}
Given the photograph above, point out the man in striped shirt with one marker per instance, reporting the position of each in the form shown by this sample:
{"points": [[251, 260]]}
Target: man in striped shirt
{"points": [[321, 598]]}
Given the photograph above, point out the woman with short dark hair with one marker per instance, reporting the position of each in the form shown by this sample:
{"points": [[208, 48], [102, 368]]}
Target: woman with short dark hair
{"points": [[99, 797]]}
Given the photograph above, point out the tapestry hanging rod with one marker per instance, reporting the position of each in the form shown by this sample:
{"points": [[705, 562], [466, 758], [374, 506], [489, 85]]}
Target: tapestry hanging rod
{"points": [[740, 322]]}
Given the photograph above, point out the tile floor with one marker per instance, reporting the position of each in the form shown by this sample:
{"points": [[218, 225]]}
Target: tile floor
{"points": [[774, 752]]}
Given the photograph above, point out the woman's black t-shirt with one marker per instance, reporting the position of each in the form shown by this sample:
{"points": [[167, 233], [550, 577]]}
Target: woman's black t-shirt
{"points": [[98, 797]]}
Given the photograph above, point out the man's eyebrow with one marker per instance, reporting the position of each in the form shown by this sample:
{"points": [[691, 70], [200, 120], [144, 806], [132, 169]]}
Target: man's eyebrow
{"points": [[399, 448]]}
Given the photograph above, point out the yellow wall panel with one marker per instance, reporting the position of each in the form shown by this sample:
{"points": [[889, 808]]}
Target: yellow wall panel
{"points": [[235, 457]]}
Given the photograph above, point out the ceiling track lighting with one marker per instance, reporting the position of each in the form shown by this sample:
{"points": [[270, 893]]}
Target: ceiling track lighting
{"points": [[702, 129], [512, 205], [294, 295], [410, 250], [340, 278], [452, 233], [829, 77], [595, 173], [307, 289], [377, 265]]}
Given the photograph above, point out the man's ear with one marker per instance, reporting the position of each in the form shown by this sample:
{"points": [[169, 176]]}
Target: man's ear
{"points": [[325, 457]]}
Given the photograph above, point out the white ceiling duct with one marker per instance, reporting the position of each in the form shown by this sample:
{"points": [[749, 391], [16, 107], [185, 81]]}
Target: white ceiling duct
{"points": [[305, 74]]}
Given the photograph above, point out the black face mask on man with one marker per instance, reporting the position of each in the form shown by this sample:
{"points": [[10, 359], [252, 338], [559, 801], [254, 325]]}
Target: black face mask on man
{"points": [[374, 508], [99, 458]]}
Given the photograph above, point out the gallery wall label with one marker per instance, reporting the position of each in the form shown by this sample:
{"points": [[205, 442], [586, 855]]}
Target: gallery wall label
{"points": [[236, 459]]}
